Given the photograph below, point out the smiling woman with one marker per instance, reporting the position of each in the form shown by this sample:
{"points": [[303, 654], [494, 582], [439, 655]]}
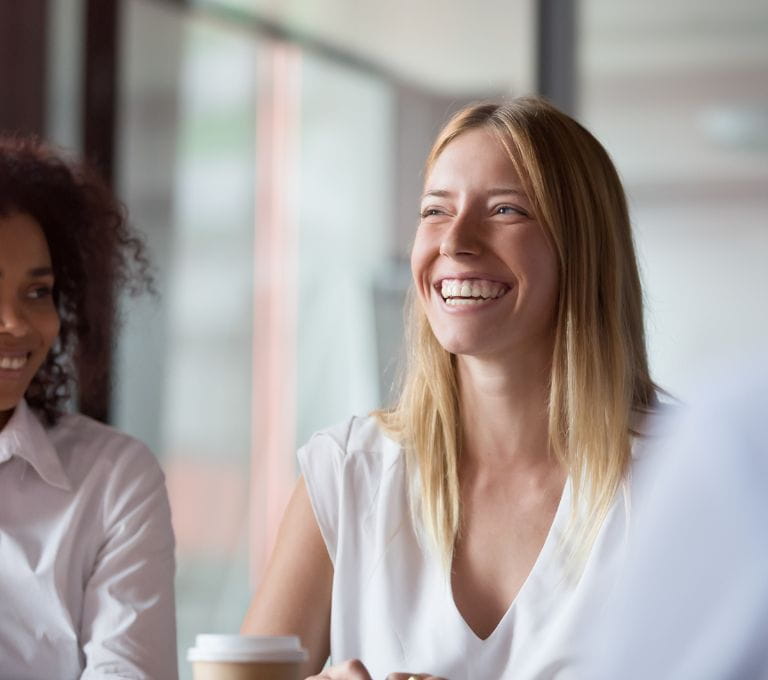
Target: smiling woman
{"points": [[473, 529], [29, 322], [86, 546]]}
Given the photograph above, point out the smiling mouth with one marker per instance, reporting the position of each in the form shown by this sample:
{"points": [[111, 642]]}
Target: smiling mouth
{"points": [[464, 292], [13, 363]]}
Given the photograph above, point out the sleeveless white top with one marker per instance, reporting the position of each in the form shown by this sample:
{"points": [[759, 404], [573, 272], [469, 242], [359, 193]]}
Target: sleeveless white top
{"points": [[392, 605]]}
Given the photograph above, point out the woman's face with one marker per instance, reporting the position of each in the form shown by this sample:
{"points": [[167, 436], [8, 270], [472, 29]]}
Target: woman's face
{"points": [[485, 272], [29, 322]]}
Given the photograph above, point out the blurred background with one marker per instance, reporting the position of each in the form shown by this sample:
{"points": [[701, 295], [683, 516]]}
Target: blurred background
{"points": [[271, 153]]}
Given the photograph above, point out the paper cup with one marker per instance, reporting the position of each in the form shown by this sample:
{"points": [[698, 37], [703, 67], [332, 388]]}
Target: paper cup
{"points": [[246, 657]]}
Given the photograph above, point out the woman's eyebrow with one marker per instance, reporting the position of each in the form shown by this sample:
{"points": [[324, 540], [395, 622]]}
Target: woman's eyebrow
{"points": [[496, 191], [506, 190], [439, 193], [36, 271]]}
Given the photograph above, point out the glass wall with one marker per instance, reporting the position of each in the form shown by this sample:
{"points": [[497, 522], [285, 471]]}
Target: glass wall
{"points": [[261, 174], [187, 142], [346, 204]]}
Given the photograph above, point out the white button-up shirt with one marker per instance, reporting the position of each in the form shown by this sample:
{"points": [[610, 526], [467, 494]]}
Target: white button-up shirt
{"points": [[86, 554]]}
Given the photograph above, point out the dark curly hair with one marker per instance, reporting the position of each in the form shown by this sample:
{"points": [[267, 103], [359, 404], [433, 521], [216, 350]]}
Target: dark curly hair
{"points": [[94, 253]]}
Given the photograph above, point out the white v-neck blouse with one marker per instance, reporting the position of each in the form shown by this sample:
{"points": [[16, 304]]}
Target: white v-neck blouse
{"points": [[392, 604]]}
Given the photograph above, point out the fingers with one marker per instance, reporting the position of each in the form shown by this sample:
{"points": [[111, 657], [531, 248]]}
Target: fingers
{"points": [[353, 669]]}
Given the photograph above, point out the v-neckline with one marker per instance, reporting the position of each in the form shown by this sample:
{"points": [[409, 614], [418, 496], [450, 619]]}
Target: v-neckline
{"points": [[546, 548]]}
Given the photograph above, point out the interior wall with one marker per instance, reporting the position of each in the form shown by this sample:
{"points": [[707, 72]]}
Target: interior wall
{"points": [[706, 283]]}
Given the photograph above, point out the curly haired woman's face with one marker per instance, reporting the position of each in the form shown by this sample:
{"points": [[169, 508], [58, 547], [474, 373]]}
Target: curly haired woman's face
{"points": [[29, 322]]}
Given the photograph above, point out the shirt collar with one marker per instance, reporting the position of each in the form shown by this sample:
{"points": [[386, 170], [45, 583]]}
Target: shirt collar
{"points": [[24, 436]]}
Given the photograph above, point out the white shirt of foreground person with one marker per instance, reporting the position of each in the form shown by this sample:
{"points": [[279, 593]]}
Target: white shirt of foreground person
{"points": [[693, 604], [392, 605], [86, 554]]}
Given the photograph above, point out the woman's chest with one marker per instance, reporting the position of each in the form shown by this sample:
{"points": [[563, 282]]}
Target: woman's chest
{"points": [[395, 608], [499, 545], [49, 541]]}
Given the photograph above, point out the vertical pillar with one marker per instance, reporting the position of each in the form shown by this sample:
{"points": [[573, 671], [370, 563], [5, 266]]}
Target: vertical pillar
{"points": [[556, 53], [98, 124], [23, 46], [100, 91]]}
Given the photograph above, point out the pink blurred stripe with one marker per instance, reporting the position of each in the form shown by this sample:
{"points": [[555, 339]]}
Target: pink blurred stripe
{"points": [[275, 297]]}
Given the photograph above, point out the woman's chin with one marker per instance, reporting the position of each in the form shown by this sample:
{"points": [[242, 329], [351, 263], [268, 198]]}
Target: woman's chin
{"points": [[466, 346]]}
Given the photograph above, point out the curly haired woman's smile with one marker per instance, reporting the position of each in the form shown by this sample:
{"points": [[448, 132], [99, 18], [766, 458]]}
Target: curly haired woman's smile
{"points": [[29, 322]]}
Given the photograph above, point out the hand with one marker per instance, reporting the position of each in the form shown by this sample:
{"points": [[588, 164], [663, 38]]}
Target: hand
{"points": [[353, 669]]}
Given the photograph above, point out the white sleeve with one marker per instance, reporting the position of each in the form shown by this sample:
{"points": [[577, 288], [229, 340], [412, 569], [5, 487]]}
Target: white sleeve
{"points": [[128, 627], [321, 463]]}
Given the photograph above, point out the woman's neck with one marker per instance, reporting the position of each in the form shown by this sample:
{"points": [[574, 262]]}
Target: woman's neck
{"points": [[5, 416], [504, 410]]}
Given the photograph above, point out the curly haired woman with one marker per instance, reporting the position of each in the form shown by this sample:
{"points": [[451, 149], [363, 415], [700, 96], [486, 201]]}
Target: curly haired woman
{"points": [[86, 544]]}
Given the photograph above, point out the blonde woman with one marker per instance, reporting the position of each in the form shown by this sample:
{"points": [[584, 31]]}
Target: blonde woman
{"points": [[473, 530]]}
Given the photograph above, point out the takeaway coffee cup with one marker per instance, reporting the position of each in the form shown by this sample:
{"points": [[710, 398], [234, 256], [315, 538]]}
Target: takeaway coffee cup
{"points": [[246, 657]]}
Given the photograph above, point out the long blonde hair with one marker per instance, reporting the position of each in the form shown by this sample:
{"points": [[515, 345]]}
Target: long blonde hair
{"points": [[599, 367]]}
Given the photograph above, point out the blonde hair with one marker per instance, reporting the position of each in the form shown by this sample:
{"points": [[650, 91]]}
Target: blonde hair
{"points": [[599, 367]]}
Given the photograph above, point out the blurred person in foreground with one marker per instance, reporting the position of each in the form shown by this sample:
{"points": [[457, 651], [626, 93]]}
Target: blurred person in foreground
{"points": [[86, 545], [474, 529], [692, 603]]}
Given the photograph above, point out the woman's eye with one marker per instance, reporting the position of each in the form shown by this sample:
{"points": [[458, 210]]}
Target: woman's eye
{"points": [[510, 210], [40, 292], [430, 212]]}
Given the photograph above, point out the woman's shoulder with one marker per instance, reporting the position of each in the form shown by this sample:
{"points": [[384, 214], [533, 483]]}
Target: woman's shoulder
{"points": [[356, 453], [651, 433], [355, 437], [88, 447], [650, 426]]}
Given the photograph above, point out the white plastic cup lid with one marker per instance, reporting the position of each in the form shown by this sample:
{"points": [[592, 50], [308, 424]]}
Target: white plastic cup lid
{"points": [[246, 648]]}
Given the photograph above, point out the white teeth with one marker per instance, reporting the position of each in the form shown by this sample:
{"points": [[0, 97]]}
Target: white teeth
{"points": [[473, 291], [464, 302], [12, 363]]}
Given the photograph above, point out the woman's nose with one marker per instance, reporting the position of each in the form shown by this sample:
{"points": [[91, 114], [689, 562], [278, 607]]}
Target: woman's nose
{"points": [[12, 319], [461, 238]]}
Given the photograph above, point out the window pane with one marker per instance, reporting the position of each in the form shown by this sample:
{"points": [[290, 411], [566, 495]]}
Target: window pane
{"points": [[187, 158]]}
